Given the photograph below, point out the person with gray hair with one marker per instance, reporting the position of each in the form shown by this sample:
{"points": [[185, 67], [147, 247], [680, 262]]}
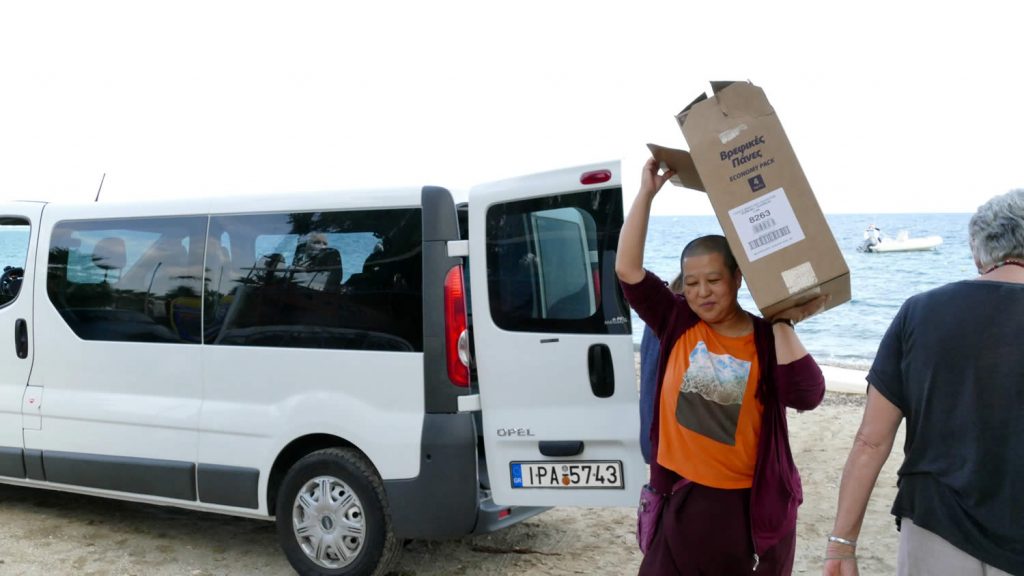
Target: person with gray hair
{"points": [[997, 233], [951, 365]]}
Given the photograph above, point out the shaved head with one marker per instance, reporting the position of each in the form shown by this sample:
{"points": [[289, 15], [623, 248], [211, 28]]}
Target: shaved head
{"points": [[711, 244]]}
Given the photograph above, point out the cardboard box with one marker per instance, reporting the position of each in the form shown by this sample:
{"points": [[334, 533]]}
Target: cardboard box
{"points": [[740, 155]]}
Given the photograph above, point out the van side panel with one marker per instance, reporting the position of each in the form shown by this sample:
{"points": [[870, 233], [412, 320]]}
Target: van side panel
{"points": [[12, 462], [114, 378], [34, 465], [167, 478], [312, 334], [259, 400], [228, 485], [442, 501]]}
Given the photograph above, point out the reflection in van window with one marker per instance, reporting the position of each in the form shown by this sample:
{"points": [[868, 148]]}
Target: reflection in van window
{"points": [[337, 280], [563, 263], [550, 264], [14, 237], [129, 280]]}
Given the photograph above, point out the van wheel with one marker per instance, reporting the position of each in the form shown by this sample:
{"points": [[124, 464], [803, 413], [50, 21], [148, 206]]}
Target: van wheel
{"points": [[332, 516]]}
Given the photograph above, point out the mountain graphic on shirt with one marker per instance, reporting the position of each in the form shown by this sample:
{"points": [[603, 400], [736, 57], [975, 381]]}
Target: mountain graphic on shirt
{"points": [[719, 378], [711, 394]]}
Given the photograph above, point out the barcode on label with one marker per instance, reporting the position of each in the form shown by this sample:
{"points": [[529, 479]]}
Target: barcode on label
{"points": [[764, 225], [769, 237]]}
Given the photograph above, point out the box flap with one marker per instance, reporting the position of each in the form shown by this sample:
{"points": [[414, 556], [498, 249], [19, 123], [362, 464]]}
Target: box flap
{"points": [[682, 163], [681, 117], [731, 98], [716, 87], [719, 85], [743, 97]]}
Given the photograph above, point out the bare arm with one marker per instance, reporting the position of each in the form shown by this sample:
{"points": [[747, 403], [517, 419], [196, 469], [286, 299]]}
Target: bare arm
{"points": [[871, 448], [629, 260]]}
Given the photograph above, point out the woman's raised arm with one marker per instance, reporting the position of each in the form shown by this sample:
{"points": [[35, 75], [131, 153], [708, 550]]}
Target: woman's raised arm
{"points": [[629, 261]]}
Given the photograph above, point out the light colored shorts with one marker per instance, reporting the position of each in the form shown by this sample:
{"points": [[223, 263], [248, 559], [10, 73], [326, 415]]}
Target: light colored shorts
{"points": [[923, 552]]}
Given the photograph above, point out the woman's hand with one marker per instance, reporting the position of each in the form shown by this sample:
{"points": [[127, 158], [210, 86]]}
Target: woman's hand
{"points": [[840, 560], [844, 567], [629, 259], [650, 181], [803, 311]]}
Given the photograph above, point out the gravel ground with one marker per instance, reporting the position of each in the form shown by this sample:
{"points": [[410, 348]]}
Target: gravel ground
{"points": [[46, 533]]}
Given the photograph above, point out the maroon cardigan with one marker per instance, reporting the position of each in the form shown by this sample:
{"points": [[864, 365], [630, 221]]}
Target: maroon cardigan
{"points": [[776, 492]]}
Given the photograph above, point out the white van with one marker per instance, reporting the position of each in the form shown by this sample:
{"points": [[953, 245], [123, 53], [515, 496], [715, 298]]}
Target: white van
{"points": [[306, 357]]}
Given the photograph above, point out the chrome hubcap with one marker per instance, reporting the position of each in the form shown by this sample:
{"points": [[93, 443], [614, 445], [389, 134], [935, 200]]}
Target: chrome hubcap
{"points": [[328, 521]]}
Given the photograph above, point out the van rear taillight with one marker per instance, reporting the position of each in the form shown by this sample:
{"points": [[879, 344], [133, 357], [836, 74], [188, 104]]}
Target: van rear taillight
{"points": [[456, 337]]}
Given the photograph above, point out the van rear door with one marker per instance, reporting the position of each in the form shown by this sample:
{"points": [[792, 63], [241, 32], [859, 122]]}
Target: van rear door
{"points": [[553, 345]]}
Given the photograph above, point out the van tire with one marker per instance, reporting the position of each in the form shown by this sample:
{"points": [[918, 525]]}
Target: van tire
{"points": [[344, 473]]}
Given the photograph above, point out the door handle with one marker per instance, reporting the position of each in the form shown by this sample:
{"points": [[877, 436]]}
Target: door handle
{"points": [[21, 338], [561, 448], [602, 372]]}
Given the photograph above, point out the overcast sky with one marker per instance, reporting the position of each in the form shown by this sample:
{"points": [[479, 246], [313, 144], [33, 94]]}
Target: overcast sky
{"points": [[890, 106]]}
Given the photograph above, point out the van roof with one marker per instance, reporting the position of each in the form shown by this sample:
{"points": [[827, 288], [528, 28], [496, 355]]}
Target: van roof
{"points": [[353, 199]]}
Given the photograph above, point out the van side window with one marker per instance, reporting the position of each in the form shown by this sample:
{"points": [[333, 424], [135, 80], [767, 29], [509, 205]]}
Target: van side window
{"points": [[129, 280], [335, 280], [550, 264], [14, 236]]}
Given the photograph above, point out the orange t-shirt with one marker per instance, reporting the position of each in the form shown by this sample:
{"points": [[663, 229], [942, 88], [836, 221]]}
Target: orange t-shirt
{"points": [[710, 421]]}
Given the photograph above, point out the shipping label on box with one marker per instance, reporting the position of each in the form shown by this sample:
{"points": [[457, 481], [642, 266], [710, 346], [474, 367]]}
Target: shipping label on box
{"points": [[766, 224]]}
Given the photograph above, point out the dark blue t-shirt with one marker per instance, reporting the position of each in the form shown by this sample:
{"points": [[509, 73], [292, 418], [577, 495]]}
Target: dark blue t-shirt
{"points": [[953, 363]]}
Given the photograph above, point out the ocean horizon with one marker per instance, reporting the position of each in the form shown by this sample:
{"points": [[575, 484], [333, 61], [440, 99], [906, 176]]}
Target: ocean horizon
{"points": [[848, 335]]}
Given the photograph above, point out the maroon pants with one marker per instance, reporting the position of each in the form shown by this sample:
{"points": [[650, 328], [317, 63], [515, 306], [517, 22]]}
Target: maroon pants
{"points": [[706, 531]]}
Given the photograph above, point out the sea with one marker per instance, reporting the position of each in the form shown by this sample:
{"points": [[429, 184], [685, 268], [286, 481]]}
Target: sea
{"points": [[846, 336]]}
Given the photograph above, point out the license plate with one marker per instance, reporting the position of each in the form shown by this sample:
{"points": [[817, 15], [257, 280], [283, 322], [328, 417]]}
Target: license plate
{"points": [[571, 474]]}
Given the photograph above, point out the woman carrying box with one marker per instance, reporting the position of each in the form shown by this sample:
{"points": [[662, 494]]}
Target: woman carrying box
{"points": [[721, 459]]}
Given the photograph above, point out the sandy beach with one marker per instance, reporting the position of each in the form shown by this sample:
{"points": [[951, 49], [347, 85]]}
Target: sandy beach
{"points": [[50, 533]]}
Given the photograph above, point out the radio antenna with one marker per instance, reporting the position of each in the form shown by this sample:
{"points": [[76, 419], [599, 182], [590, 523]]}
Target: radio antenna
{"points": [[100, 188]]}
